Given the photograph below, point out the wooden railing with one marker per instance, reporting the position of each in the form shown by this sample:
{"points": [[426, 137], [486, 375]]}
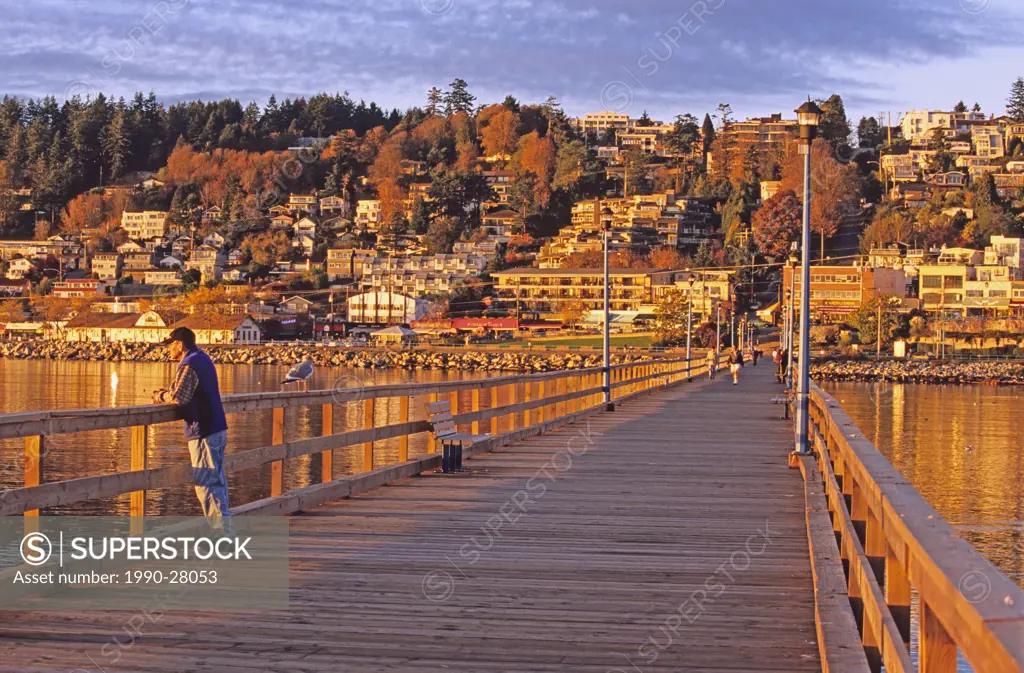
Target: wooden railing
{"points": [[891, 540], [538, 402]]}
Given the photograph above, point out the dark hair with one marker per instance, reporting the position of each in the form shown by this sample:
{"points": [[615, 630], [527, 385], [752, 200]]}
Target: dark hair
{"points": [[183, 334]]}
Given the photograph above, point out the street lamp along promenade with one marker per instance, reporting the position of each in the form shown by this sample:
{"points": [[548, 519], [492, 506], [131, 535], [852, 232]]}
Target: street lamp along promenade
{"points": [[808, 115]]}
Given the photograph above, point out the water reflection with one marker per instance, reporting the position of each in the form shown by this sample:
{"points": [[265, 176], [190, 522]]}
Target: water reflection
{"points": [[960, 447], [33, 385]]}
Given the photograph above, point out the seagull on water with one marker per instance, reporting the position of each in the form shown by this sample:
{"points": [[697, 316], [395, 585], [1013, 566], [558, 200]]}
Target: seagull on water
{"points": [[300, 373]]}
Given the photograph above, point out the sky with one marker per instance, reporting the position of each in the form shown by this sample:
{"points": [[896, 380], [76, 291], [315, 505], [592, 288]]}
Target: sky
{"points": [[664, 56]]}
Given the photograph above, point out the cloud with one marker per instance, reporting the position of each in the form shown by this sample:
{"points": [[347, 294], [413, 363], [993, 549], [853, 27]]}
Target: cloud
{"points": [[674, 57]]}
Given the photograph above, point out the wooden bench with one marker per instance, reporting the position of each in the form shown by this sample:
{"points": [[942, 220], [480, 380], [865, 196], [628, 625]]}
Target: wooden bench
{"points": [[443, 426]]}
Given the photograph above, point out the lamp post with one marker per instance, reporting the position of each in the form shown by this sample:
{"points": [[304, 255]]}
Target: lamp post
{"points": [[606, 222], [718, 332], [791, 328], [808, 115], [689, 326]]}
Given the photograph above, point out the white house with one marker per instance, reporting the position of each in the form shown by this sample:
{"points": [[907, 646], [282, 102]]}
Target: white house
{"points": [[144, 225], [19, 268], [380, 307]]}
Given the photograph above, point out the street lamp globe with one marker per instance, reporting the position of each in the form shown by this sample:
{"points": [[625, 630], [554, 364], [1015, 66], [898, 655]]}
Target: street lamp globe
{"points": [[808, 114]]}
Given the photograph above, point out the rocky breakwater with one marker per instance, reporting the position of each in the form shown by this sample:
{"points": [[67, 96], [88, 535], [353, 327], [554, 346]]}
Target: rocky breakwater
{"points": [[921, 371], [507, 361]]}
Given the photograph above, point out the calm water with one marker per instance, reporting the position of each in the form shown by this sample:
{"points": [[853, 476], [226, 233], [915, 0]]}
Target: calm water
{"points": [[961, 448], [33, 385]]}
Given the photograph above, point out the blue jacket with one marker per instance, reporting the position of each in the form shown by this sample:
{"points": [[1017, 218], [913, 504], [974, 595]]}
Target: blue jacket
{"points": [[204, 414]]}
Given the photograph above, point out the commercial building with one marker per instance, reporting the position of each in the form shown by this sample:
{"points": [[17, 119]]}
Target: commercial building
{"points": [[385, 308], [838, 291], [548, 291]]}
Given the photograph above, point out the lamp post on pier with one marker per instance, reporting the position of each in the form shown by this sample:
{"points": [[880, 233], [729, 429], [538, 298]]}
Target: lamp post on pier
{"points": [[808, 115], [689, 326], [606, 230]]}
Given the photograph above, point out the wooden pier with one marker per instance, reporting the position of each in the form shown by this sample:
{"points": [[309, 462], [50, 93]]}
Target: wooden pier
{"points": [[668, 535]]}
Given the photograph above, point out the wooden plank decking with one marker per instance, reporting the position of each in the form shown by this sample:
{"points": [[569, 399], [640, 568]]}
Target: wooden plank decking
{"points": [[529, 563]]}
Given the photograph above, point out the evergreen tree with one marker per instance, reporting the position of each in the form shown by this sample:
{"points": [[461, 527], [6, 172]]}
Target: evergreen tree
{"points": [[458, 98], [117, 146], [708, 131], [869, 133], [976, 108], [834, 126], [1015, 104], [960, 107], [435, 99]]}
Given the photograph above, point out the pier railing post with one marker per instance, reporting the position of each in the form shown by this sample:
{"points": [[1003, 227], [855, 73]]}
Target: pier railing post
{"points": [[368, 424], [475, 407], [937, 650], [403, 417], [139, 461], [277, 438], [897, 594], [327, 429], [494, 405], [527, 397], [34, 454]]}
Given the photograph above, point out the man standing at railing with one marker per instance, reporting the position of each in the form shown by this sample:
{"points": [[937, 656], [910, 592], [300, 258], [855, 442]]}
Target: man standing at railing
{"points": [[196, 391]]}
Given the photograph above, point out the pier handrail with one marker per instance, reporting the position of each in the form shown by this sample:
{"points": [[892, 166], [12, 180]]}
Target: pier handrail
{"points": [[535, 398], [892, 540]]}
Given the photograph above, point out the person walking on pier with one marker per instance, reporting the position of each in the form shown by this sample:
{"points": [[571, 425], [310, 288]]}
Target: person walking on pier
{"points": [[735, 364], [196, 391], [780, 364], [712, 361]]}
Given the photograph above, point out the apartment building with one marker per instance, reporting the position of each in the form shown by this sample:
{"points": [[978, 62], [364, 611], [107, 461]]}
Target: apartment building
{"points": [[597, 123], [919, 123], [107, 265], [546, 291], [209, 261], [988, 141], [145, 225], [899, 167], [301, 204], [162, 277], [75, 288], [762, 132], [838, 291], [342, 263], [1009, 185]]}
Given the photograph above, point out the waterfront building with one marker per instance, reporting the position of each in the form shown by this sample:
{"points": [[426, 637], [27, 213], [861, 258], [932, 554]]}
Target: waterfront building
{"points": [[838, 291], [547, 291], [107, 265], [385, 308]]}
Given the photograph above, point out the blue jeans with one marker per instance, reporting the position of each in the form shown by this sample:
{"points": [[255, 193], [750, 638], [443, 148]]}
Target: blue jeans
{"points": [[208, 473]]}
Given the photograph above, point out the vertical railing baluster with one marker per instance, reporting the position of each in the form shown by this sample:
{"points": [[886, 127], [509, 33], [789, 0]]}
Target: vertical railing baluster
{"points": [[277, 438], [368, 424], [937, 651], [327, 429], [139, 461], [403, 417], [33, 476]]}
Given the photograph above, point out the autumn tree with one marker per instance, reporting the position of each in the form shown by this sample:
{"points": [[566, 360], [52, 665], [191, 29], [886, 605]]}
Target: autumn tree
{"points": [[671, 317], [85, 211], [571, 312], [499, 130], [887, 226], [777, 224], [12, 310], [835, 187], [536, 156], [267, 248], [667, 258]]}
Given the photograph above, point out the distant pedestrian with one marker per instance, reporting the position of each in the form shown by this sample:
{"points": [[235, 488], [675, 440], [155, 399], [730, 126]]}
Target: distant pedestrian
{"points": [[712, 360], [735, 364], [781, 366], [196, 391]]}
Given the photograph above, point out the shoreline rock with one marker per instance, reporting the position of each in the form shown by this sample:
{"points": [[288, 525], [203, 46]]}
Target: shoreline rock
{"points": [[281, 354], [897, 371]]}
